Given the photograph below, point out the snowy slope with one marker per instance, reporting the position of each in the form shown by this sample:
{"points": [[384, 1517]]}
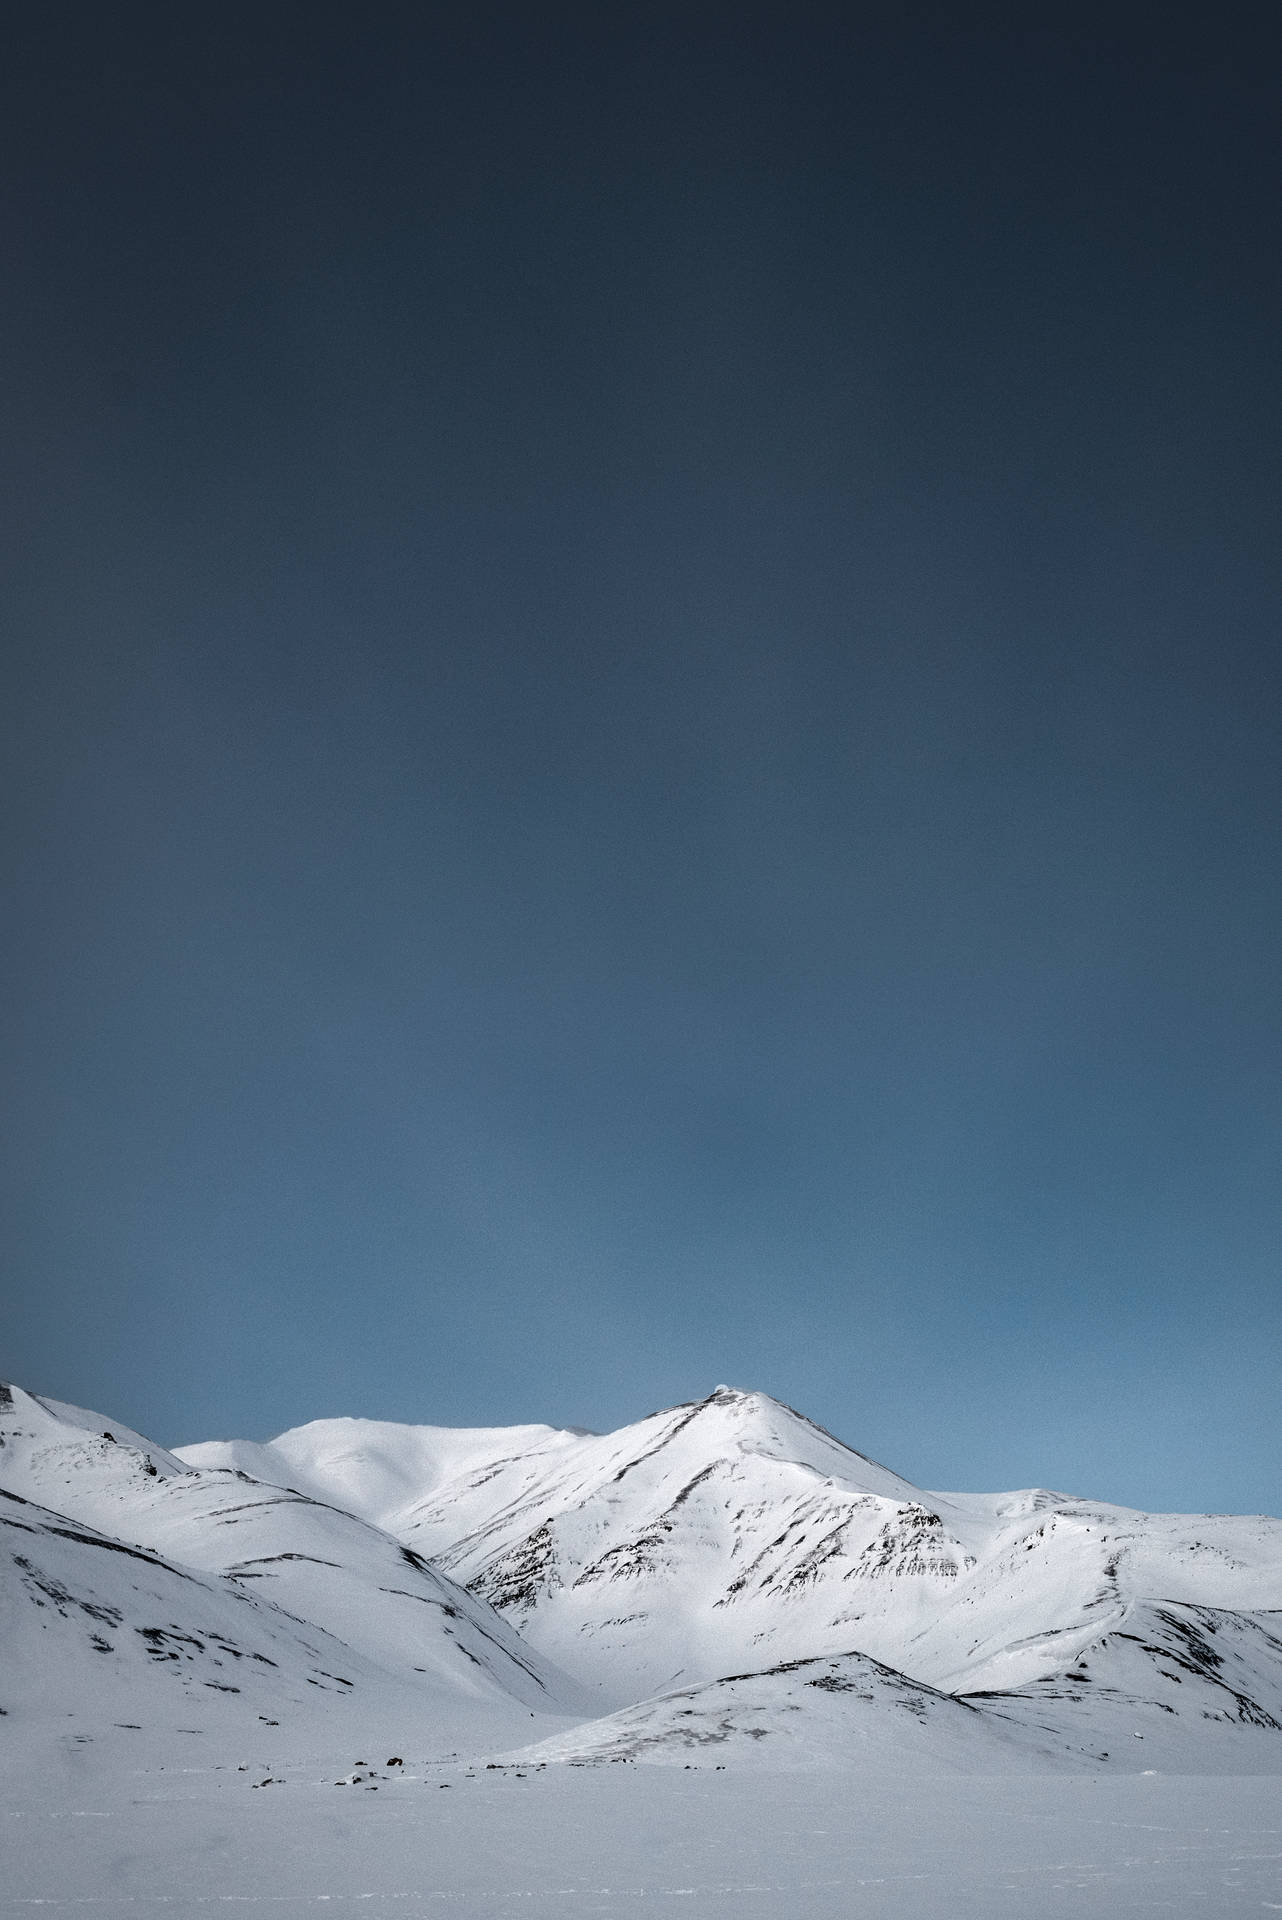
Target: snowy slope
{"points": [[73, 1598], [149, 1693], [1201, 1687], [375, 1596], [678, 1513], [724, 1544], [846, 1711], [109, 1646], [733, 1534], [380, 1469]]}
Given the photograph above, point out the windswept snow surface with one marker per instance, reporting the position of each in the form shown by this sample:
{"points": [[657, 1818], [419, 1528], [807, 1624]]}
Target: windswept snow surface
{"points": [[571, 1843]]}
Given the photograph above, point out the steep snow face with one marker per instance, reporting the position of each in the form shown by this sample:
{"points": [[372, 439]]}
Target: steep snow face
{"points": [[376, 1595], [441, 1482], [694, 1542], [616, 1549]]}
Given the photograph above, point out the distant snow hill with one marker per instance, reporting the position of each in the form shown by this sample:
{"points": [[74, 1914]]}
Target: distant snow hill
{"points": [[720, 1583]]}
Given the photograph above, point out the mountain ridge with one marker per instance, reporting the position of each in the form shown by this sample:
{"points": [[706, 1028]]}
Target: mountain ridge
{"points": [[704, 1556]]}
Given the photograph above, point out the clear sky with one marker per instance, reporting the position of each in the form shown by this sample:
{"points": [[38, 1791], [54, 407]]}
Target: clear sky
{"points": [[641, 728]]}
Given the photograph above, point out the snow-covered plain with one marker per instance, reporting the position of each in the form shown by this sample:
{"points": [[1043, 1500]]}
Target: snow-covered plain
{"points": [[570, 1843], [714, 1663]]}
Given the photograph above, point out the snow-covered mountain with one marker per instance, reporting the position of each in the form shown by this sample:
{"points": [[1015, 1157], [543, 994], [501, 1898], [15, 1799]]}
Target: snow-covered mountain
{"points": [[1199, 1686], [732, 1534], [344, 1595], [99, 1640], [723, 1574], [1195, 1684]]}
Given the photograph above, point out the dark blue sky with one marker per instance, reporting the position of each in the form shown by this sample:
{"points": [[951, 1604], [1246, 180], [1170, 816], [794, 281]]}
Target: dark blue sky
{"points": [[641, 724]]}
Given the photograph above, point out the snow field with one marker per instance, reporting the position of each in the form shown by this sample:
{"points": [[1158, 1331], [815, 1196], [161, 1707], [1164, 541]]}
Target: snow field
{"points": [[633, 1840]]}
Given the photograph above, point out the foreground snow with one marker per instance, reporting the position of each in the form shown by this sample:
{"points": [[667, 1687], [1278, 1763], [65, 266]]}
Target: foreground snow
{"points": [[626, 1840]]}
